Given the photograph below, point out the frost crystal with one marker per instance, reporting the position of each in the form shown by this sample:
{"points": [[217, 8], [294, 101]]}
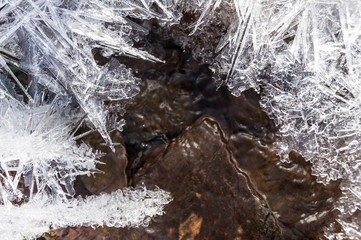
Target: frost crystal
{"points": [[53, 43], [130, 207], [37, 152], [39, 160], [303, 56]]}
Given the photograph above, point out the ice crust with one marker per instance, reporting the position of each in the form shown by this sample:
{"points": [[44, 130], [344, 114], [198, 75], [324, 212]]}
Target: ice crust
{"points": [[301, 56]]}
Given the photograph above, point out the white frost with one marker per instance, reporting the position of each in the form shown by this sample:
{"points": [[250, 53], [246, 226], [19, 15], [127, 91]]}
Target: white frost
{"points": [[127, 208]]}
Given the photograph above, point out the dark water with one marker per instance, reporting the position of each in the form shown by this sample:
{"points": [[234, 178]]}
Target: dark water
{"points": [[213, 152]]}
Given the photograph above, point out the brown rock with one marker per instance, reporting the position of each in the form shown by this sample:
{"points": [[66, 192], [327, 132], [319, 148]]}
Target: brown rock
{"points": [[212, 198], [302, 206]]}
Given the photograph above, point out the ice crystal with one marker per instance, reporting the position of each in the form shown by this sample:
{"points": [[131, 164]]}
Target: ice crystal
{"points": [[130, 207], [53, 43], [304, 56], [39, 161], [37, 152]]}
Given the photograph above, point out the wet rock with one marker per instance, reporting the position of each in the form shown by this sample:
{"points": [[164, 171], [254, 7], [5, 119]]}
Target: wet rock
{"points": [[212, 198], [140, 154], [83, 233], [173, 96], [248, 116], [303, 207]]}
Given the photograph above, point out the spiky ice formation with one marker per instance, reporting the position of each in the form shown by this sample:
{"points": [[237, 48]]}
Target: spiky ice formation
{"points": [[304, 56], [53, 42], [39, 161], [127, 208], [37, 152]]}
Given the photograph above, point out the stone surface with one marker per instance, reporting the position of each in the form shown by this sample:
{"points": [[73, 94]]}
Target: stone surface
{"points": [[213, 199], [302, 206]]}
